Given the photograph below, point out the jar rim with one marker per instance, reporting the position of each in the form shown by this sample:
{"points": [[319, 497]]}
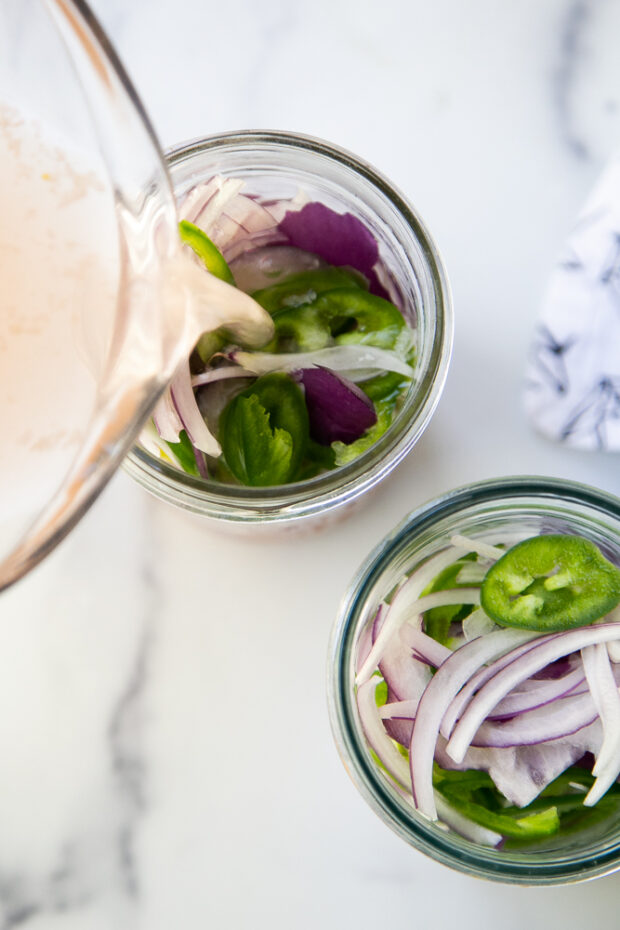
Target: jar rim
{"points": [[348, 482], [447, 848]]}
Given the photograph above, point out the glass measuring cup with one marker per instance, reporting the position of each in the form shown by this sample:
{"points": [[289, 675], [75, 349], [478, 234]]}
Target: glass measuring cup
{"points": [[98, 303]]}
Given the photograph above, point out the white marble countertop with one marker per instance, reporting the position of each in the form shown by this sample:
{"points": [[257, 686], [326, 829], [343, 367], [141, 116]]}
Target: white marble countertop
{"points": [[167, 759]]}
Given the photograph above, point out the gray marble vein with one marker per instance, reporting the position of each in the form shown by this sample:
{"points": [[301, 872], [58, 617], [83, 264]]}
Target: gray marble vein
{"points": [[128, 764], [84, 859]]}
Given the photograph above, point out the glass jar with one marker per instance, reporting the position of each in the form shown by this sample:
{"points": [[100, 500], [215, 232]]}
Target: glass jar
{"points": [[508, 509], [278, 165]]}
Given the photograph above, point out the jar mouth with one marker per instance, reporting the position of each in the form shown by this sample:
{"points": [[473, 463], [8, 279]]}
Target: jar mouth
{"points": [[518, 498], [269, 152]]}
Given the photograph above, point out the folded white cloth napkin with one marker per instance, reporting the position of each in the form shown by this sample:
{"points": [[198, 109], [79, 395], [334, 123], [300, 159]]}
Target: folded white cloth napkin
{"points": [[572, 391]]}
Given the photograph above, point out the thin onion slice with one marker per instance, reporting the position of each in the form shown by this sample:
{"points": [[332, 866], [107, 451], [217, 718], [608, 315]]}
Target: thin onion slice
{"points": [[338, 358], [462, 699], [477, 545], [220, 374], [463, 825], [397, 767], [375, 733], [166, 418], [423, 646], [558, 718], [477, 624], [185, 402], [401, 607], [550, 649], [406, 606], [444, 685], [542, 692], [401, 710], [604, 690]]}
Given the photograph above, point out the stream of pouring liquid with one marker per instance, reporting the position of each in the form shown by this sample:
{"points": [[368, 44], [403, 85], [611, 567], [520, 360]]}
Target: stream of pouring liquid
{"points": [[85, 349]]}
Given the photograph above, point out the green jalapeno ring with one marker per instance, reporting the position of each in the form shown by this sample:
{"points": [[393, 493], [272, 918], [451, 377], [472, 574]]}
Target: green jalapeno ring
{"points": [[550, 583], [341, 316], [303, 288], [372, 320], [205, 249]]}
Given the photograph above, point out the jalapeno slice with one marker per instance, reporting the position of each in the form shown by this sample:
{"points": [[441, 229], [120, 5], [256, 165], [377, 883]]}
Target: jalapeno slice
{"points": [[550, 583], [304, 287], [206, 250]]}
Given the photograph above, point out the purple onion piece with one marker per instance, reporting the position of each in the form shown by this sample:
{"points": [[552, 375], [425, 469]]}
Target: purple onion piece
{"points": [[339, 238], [556, 669], [201, 463], [338, 410], [398, 728]]}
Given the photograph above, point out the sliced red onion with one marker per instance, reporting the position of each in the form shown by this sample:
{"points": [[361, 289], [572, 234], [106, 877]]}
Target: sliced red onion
{"points": [[462, 699], [153, 443], [519, 701], [398, 768], [337, 358], [364, 643], [477, 624], [472, 573], [444, 685], [185, 402], [556, 719], [166, 418], [262, 267], [463, 825], [455, 821], [613, 649], [557, 669], [401, 710], [206, 203], [524, 666], [250, 214], [424, 646], [201, 464], [604, 691], [522, 772], [406, 678], [280, 208], [220, 374], [235, 222], [375, 733], [399, 729], [338, 411], [477, 545], [199, 197], [402, 606], [239, 246]]}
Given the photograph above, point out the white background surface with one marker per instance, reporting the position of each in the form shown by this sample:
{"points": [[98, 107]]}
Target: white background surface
{"points": [[167, 755]]}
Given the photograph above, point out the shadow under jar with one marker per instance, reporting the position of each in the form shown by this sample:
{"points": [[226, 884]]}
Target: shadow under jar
{"points": [[279, 166], [497, 512]]}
